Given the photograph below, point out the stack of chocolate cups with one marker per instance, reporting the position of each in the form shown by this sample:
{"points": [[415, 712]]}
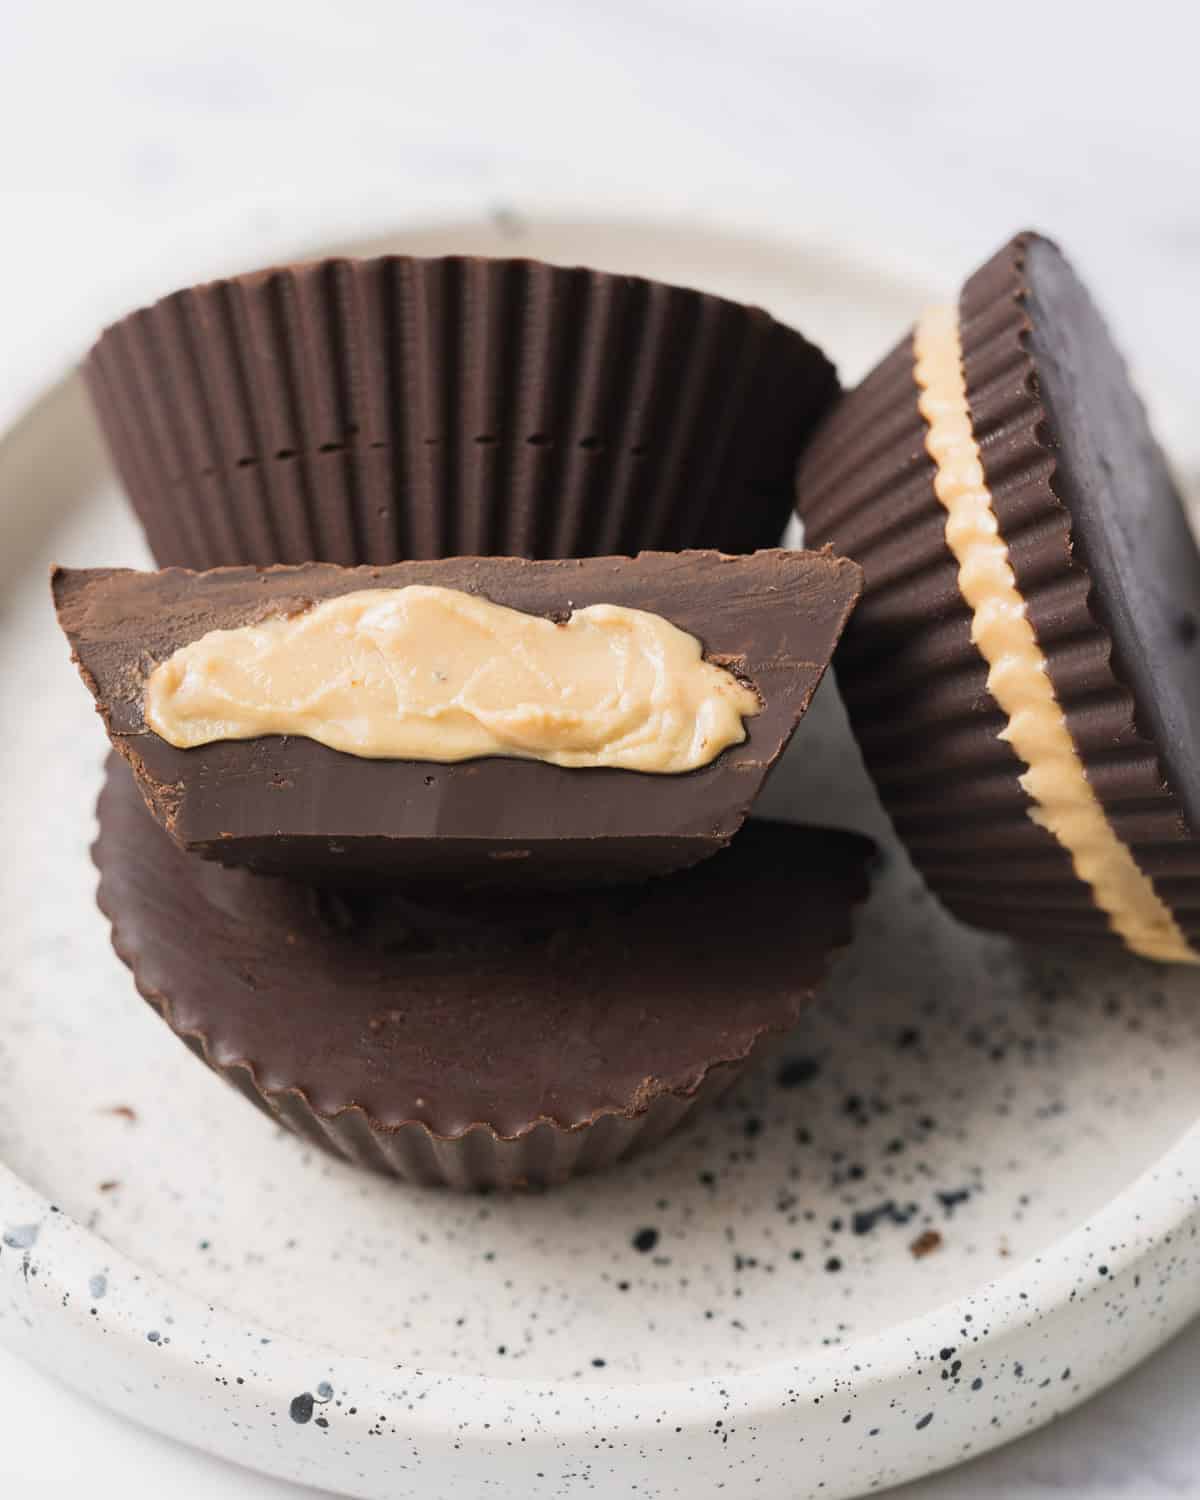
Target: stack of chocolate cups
{"points": [[372, 414], [1020, 671]]}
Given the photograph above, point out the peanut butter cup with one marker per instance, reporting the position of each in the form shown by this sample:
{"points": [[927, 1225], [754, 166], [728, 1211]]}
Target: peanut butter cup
{"points": [[368, 411], [495, 1040], [454, 730], [1021, 673]]}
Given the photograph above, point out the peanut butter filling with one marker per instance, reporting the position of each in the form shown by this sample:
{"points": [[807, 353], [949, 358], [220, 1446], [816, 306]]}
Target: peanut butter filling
{"points": [[435, 674], [1056, 780]]}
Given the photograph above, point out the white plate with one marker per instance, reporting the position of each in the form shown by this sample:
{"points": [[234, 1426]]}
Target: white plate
{"points": [[170, 1252]]}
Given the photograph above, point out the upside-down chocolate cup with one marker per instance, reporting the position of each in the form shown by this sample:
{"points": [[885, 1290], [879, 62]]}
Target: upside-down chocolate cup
{"points": [[487, 1042], [372, 411], [1057, 802]]}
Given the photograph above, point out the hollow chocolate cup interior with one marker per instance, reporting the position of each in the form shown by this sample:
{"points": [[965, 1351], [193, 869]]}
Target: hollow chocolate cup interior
{"points": [[494, 1042], [371, 411]]}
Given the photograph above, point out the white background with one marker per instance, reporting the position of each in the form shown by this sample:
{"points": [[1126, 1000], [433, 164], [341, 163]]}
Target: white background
{"points": [[142, 145]]}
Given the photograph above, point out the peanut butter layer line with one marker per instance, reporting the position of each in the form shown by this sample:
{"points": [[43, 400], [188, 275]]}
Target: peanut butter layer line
{"points": [[1064, 801]]}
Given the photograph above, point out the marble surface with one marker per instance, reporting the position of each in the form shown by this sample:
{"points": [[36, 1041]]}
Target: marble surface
{"points": [[145, 145]]}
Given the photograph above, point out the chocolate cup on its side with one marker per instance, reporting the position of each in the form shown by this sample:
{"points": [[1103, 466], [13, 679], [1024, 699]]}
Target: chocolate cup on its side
{"points": [[914, 682], [369, 411], [480, 1044], [289, 805]]}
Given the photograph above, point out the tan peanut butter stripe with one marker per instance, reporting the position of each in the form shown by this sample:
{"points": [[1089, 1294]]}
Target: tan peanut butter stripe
{"points": [[430, 673], [1064, 801]]}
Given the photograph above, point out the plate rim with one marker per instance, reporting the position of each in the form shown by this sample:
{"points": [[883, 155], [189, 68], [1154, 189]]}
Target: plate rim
{"points": [[1161, 1204]]}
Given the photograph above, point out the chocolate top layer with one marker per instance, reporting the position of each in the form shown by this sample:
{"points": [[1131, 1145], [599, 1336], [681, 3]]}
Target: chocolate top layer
{"points": [[296, 806], [1128, 527], [478, 1011]]}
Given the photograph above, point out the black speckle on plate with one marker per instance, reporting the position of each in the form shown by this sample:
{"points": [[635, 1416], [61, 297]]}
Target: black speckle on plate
{"points": [[797, 1071], [301, 1409]]}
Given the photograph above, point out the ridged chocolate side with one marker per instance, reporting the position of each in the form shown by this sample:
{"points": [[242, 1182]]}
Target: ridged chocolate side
{"points": [[376, 410], [545, 1156], [1019, 463], [915, 684], [466, 1044]]}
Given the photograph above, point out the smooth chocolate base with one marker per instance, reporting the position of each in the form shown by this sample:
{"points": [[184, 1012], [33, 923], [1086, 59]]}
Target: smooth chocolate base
{"points": [[477, 1040], [1128, 527], [296, 807]]}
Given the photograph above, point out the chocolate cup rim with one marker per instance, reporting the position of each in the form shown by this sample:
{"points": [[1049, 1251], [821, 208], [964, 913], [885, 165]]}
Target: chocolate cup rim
{"points": [[261, 275]]}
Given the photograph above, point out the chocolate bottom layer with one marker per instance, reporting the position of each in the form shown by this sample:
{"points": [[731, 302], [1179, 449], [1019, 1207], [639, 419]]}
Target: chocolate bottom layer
{"points": [[493, 1041]]}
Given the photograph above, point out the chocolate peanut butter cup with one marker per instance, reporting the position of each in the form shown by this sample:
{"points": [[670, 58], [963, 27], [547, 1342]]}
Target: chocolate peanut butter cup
{"points": [[527, 767], [473, 1042], [1021, 671], [368, 411]]}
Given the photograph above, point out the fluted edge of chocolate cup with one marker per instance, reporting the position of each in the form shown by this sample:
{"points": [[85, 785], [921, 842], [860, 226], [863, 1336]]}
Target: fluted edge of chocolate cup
{"points": [[368, 411], [540, 1151], [915, 684], [544, 1154]]}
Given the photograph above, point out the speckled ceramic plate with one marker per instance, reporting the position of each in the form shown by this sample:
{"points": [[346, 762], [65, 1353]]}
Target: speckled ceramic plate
{"points": [[962, 1196]]}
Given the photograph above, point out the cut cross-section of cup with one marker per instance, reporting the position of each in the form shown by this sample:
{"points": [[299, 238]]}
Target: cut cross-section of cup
{"points": [[302, 732]]}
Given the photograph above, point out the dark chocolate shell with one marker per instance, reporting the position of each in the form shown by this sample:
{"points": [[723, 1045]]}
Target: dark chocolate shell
{"points": [[372, 411], [913, 680], [479, 1043]]}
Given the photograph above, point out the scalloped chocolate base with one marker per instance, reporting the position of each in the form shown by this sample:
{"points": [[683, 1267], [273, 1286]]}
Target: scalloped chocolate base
{"points": [[489, 1042]]}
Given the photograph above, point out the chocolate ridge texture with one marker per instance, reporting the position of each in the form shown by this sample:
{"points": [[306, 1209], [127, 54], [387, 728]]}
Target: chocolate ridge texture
{"points": [[914, 681], [293, 806], [468, 1042], [367, 411]]}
